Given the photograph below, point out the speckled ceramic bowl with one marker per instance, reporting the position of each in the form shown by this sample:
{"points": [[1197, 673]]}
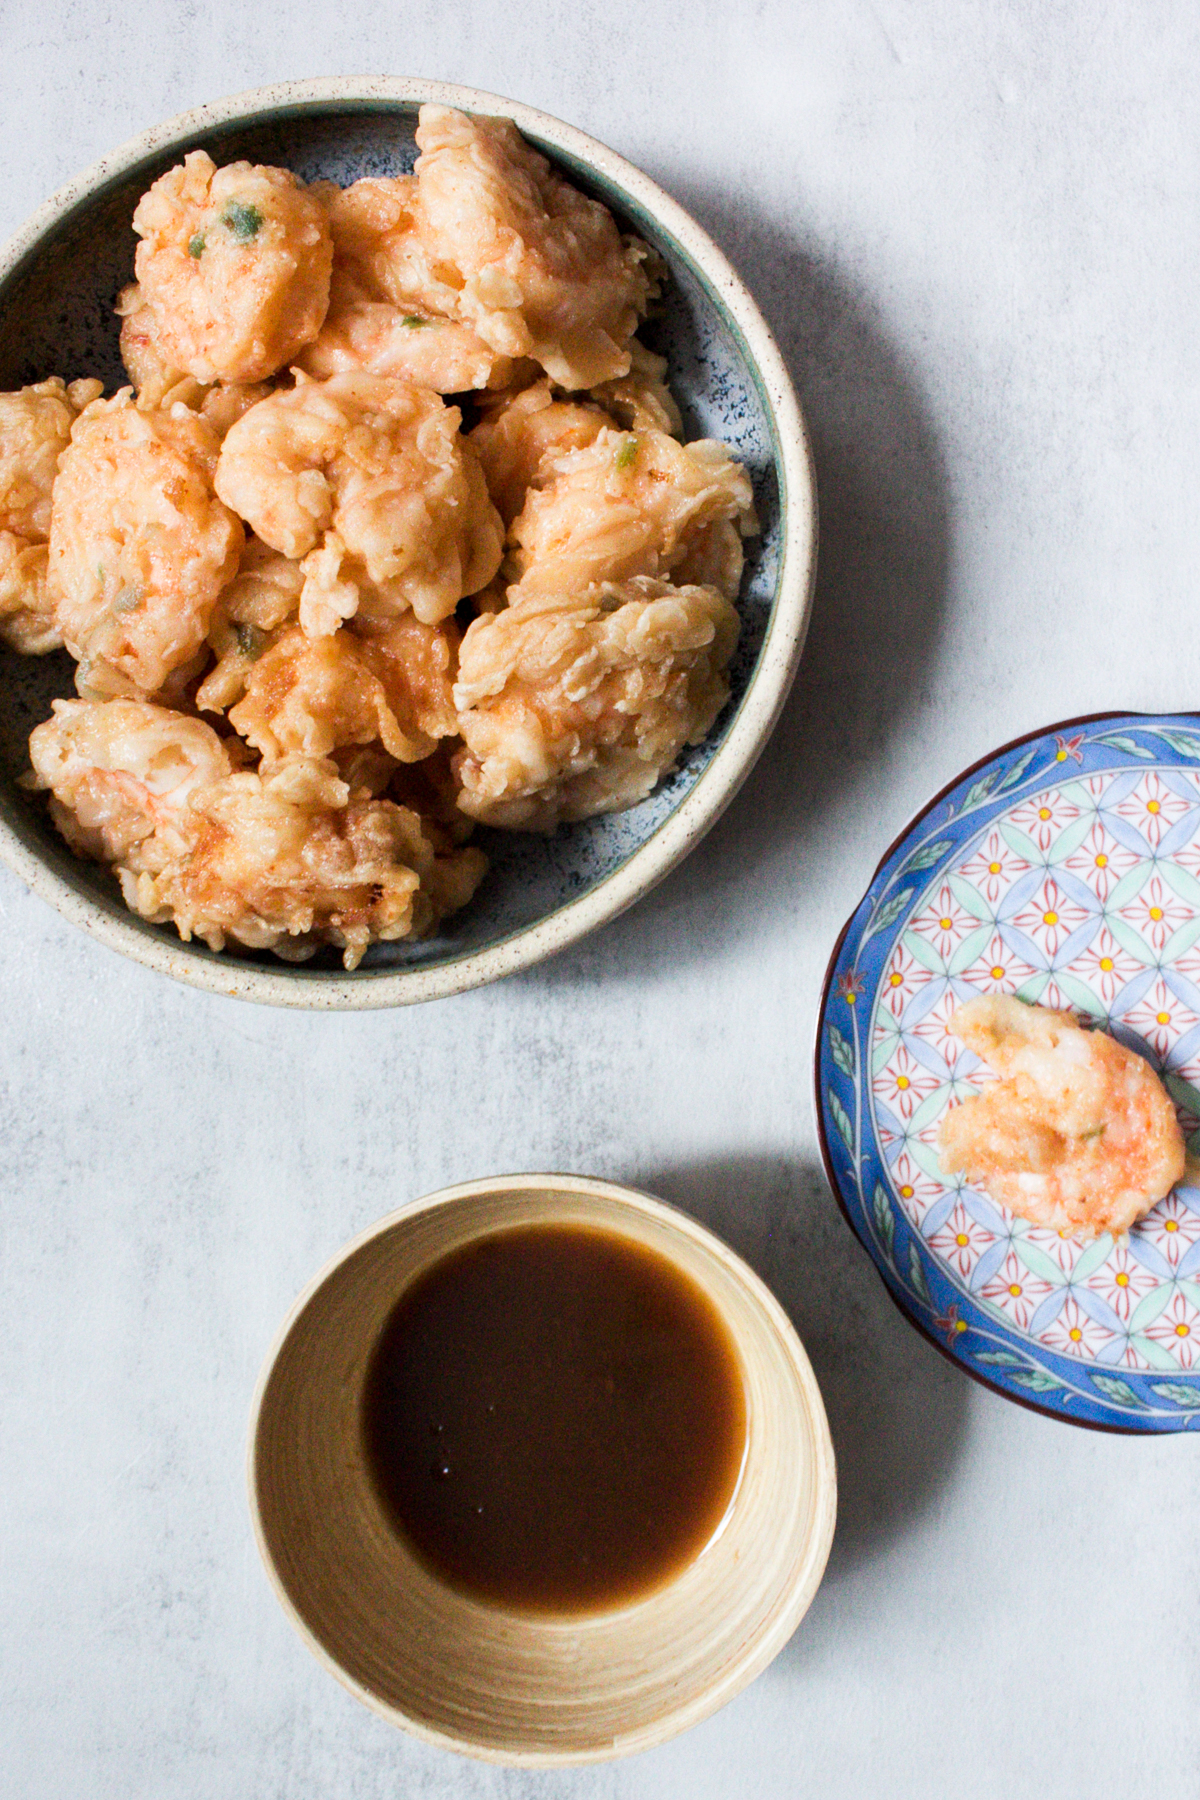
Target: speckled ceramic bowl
{"points": [[508, 1686], [58, 278]]}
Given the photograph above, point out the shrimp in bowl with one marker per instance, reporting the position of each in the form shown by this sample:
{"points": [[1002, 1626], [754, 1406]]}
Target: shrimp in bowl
{"points": [[1078, 1134]]}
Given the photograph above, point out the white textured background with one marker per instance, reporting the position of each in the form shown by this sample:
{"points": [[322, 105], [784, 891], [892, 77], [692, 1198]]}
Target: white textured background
{"points": [[976, 229]]}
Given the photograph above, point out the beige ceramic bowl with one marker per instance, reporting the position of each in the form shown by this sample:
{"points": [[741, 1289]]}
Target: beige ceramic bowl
{"points": [[506, 1686]]}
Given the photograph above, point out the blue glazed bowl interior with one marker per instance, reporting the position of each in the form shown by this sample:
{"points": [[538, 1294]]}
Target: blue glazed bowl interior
{"points": [[56, 318]]}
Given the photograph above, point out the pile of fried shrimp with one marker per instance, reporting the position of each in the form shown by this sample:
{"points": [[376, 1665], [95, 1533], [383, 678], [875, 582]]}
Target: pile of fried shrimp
{"points": [[326, 621]]}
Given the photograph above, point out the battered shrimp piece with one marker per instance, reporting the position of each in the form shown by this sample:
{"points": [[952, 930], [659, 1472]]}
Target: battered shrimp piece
{"points": [[378, 249], [641, 400], [140, 547], [161, 384], [535, 267], [27, 616], [365, 333], [263, 597], [367, 480], [35, 428], [571, 706], [520, 436], [287, 859], [633, 504], [234, 267], [1078, 1134], [122, 775], [317, 695]]}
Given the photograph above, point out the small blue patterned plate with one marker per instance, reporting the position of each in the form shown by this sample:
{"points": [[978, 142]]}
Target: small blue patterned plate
{"points": [[1065, 869]]}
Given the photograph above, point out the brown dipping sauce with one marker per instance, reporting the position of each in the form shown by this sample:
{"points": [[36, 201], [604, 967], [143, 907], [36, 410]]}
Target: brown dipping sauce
{"points": [[554, 1416]]}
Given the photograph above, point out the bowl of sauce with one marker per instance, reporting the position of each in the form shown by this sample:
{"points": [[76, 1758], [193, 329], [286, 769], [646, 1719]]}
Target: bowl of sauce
{"points": [[540, 1471]]}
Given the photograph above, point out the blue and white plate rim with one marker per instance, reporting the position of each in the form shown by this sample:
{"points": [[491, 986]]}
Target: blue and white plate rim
{"points": [[1099, 1416]]}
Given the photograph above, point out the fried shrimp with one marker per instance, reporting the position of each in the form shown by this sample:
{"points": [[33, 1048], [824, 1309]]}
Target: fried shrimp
{"points": [[365, 333], [520, 436], [287, 859], [122, 774], [533, 265], [234, 268], [317, 695], [367, 479], [273, 528], [35, 428], [571, 706], [140, 546], [634, 504], [641, 400], [1078, 1134]]}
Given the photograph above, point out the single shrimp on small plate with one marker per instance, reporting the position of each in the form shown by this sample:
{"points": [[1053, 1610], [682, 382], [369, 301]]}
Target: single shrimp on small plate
{"points": [[1078, 1134]]}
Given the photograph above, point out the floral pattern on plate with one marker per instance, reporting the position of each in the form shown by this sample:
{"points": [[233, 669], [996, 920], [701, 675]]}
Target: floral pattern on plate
{"points": [[1067, 871]]}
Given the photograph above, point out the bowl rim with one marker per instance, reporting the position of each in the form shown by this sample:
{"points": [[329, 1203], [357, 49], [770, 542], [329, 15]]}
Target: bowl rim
{"points": [[778, 657], [740, 1672]]}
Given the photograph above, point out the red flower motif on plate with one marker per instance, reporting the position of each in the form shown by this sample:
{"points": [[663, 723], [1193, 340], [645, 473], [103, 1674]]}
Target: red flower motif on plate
{"points": [[934, 1028], [1161, 1018], [1068, 747], [1060, 1246], [1153, 808], [1016, 1291], [1000, 970], [915, 1190], [1172, 1228], [1177, 1329], [903, 1083], [1105, 966], [1157, 912], [944, 923], [1075, 1332], [1101, 860], [1122, 1281], [1050, 918], [993, 868], [901, 979], [961, 1240], [1043, 816]]}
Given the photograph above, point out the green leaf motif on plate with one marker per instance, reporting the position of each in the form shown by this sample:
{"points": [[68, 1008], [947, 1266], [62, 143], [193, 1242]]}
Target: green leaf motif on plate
{"points": [[1185, 745], [1039, 1381], [842, 1051], [1176, 1391], [1003, 1358], [885, 1219], [1119, 742], [916, 1270], [888, 914], [978, 794], [841, 1119], [926, 857], [1018, 769], [1115, 1389]]}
